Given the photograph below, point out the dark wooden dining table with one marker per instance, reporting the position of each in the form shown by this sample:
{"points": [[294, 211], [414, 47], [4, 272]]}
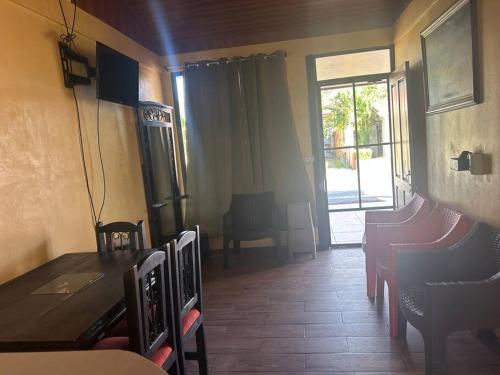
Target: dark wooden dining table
{"points": [[64, 321]]}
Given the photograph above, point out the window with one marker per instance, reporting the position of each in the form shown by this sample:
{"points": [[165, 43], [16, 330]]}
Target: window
{"points": [[180, 109], [353, 64]]}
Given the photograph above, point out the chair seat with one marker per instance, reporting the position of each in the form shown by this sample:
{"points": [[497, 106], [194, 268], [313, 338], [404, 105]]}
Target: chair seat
{"points": [[189, 319], [117, 342], [161, 355], [122, 343], [251, 235], [121, 329]]}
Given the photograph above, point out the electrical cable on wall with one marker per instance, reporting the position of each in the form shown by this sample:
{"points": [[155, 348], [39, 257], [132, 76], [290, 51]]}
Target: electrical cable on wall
{"points": [[82, 153], [101, 160], [68, 38]]}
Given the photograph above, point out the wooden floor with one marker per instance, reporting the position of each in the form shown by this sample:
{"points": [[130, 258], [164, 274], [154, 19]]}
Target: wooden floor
{"points": [[313, 317]]}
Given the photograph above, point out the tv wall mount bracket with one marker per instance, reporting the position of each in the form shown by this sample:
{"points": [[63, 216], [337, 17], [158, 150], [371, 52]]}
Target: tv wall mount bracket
{"points": [[68, 56]]}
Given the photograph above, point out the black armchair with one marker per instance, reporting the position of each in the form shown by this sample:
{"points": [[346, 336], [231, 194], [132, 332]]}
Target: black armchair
{"points": [[448, 290], [251, 217]]}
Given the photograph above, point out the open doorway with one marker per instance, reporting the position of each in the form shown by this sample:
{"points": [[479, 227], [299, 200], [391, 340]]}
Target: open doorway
{"points": [[353, 152]]}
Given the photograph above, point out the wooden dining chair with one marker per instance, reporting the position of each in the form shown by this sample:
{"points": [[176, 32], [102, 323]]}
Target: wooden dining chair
{"points": [[120, 235], [150, 317], [187, 292]]}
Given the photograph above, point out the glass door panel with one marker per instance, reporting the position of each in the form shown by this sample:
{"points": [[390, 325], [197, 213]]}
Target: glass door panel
{"points": [[396, 135], [342, 179], [405, 136], [372, 113], [376, 177], [337, 107]]}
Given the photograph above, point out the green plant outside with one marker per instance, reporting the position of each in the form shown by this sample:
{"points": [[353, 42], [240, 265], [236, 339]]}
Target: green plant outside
{"points": [[340, 111], [365, 153]]}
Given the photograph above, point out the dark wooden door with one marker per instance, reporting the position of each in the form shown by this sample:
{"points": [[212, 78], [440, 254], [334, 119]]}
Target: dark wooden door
{"points": [[160, 171], [402, 136]]}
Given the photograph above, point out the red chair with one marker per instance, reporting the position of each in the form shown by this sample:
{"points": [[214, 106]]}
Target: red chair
{"points": [[439, 230], [416, 209], [150, 324]]}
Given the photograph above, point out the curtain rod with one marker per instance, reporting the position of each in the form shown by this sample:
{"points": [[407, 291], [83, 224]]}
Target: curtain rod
{"points": [[180, 68]]}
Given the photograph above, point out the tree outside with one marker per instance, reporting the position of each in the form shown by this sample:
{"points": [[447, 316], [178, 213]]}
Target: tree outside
{"points": [[339, 126]]}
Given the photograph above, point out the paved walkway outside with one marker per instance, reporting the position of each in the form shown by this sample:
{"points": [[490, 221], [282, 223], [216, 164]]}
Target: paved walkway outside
{"points": [[347, 227]]}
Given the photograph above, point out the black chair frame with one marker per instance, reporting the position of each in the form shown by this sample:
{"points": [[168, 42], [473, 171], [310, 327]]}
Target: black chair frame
{"points": [[186, 271], [251, 217], [148, 296], [454, 289], [129, 235]]}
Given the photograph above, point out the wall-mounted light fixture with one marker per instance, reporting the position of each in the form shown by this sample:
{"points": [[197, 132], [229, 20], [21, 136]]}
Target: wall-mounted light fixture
{"points": [[461, 163], [474, 162]]}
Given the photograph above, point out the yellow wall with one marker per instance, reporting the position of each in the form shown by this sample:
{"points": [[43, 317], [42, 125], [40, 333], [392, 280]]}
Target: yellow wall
{"points": [[45, 209], [474, 128]]}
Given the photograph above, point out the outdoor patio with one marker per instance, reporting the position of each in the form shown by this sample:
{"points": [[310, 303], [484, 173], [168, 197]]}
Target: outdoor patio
{"points": [[347, 227]]}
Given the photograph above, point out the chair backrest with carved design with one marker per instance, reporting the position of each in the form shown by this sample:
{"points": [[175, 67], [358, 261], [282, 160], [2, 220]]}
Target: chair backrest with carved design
{"points": [[186, 271], [120, 235], [148, 297]]}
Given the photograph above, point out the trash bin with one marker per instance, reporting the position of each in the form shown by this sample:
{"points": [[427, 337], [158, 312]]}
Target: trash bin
{"points": [[301, 237]]}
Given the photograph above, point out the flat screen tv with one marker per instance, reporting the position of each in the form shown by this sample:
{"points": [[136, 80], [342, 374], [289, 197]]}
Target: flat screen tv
{"points": [[117, 76]]}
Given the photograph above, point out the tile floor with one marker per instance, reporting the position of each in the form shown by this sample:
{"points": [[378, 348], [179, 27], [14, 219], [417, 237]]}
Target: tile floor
{"points": [[347, 227], [312, 317]]}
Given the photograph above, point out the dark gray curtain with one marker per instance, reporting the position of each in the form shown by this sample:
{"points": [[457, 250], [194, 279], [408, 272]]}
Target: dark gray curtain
{"points": [[241, 136]]}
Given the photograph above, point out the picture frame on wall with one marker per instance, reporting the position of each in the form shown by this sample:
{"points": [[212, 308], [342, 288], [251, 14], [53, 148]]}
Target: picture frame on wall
{"points": [[450, 59]]}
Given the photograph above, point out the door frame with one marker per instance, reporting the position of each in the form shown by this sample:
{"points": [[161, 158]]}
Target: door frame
{"points": [[314, 91]]}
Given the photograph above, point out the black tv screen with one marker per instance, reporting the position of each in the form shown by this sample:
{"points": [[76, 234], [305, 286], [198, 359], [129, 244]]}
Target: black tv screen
{"points": [[117, 76]]}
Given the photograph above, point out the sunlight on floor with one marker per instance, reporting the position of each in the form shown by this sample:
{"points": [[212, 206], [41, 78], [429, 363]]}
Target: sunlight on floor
{"points": [[347, 227]]}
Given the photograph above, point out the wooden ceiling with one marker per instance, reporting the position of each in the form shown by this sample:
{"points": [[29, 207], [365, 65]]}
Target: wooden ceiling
{"points": [[177, 26]]}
